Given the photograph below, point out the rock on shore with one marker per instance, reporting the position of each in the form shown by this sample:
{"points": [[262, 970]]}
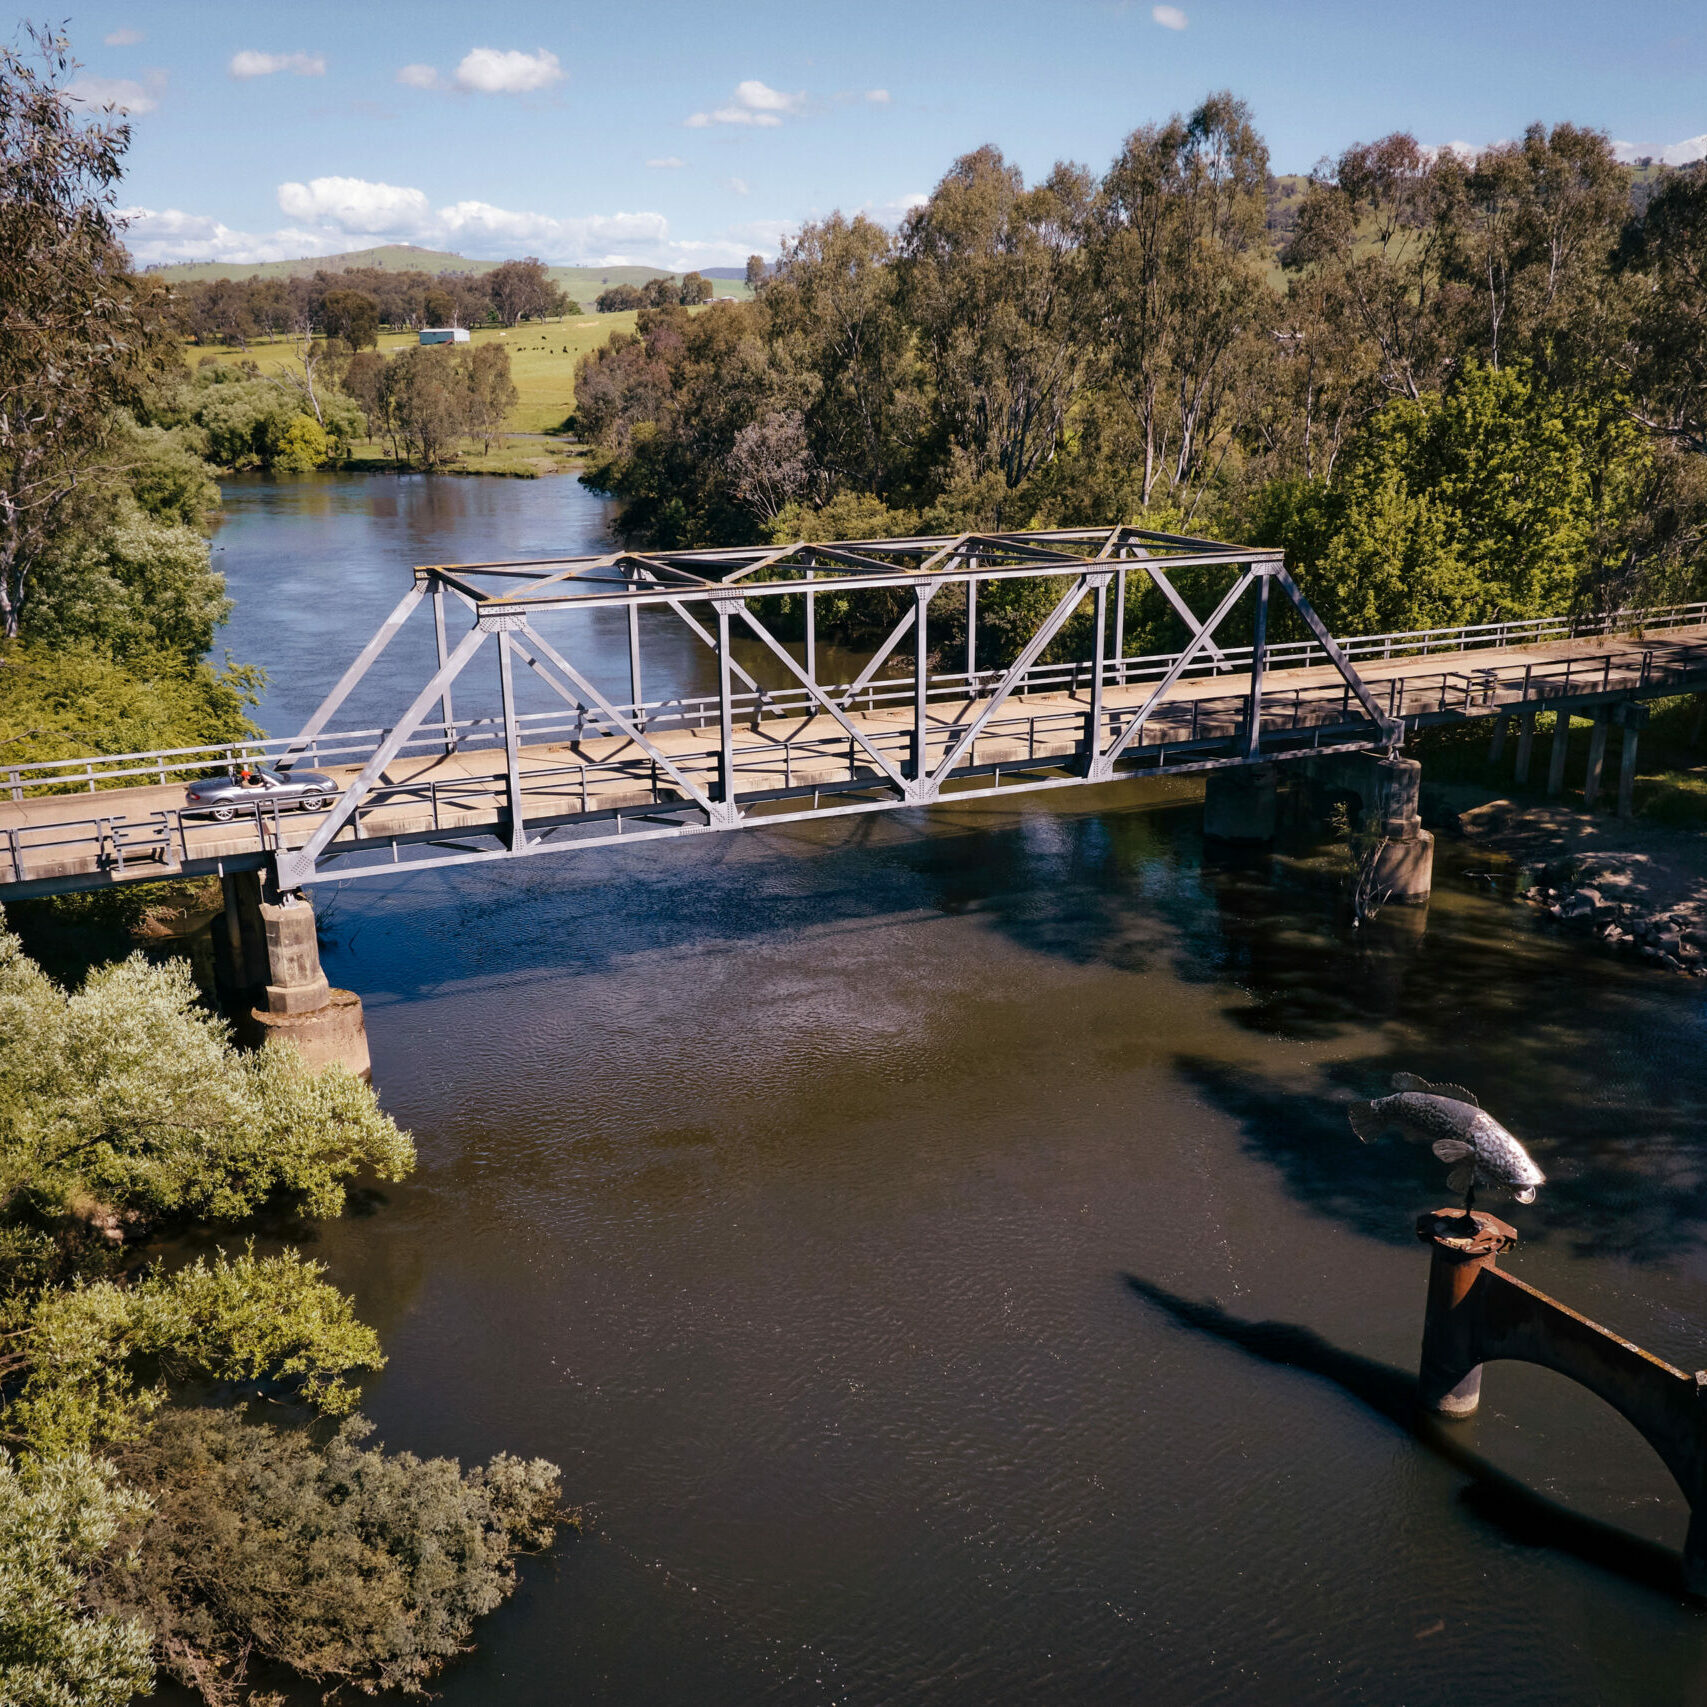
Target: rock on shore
{"points": [[1611, 896]]}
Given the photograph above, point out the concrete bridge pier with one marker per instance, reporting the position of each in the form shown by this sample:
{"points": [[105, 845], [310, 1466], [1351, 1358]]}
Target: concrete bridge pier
{"points": [[1387, 789], [1525, 744], [267, 971]]}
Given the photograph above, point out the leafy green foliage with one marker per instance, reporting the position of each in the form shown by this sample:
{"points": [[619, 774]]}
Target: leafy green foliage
{"points": [[73, 700], [128, 1094], [1488, 501], [349, 1565], [58, 1517], [132, 585], [252, 421], [88, 1349]]}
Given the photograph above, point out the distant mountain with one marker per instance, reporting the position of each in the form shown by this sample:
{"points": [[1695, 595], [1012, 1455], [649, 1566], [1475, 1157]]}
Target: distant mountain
{"points": [[582, 283]]}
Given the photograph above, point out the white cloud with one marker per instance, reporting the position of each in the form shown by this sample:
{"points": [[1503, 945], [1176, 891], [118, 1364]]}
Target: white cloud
{"points": [[666, 162], [125, 93], [738, 185], [168, 234], [755, 103], [877, 97], [249, 63], [491, 71], [1683, 153], [1169, 17], [123, 38], [419, 77], [333, 215], [355, 204], [891, 213]]}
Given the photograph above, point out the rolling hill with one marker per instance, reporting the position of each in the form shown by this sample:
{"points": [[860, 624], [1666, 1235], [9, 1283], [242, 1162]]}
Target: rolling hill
{"points": [[582, 283]]}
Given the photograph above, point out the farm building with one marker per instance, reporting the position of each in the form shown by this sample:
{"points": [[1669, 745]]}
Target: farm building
{"points": [[444, 335]]}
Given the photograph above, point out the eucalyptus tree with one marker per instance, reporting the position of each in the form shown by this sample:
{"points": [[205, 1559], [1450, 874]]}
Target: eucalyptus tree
{"points": [[1383, 226], [1183, 305], [1540, 221], [993, 276], [835, 312], [1664, 253], [77, 336]]}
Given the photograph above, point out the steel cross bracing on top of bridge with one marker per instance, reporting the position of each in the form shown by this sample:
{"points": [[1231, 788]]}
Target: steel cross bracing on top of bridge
{"points": [[432, 789]]}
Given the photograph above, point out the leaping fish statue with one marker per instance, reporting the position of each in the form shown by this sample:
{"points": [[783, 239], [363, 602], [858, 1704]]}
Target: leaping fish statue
{"points": [[1450, 1120]]}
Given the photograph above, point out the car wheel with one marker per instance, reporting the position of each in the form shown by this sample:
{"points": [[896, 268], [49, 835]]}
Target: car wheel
{"points": [[315, 803], [225, 813]]}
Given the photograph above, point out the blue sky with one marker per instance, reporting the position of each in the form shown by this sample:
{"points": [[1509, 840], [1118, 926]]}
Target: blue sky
{"points": [[694, 134]]}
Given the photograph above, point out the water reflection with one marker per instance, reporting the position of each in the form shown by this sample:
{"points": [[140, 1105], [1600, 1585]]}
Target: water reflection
{"points": [[782, 1186]]}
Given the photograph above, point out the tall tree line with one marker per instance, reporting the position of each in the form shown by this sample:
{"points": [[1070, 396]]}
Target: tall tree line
{"points": [[1451, 388], [354, 304]]}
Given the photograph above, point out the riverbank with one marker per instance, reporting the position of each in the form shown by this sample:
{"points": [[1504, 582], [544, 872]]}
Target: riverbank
{"points": [[1638, 884], [519, 456]]}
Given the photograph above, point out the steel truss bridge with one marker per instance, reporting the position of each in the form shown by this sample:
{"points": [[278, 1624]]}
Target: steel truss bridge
{"points": [[431, 789]]}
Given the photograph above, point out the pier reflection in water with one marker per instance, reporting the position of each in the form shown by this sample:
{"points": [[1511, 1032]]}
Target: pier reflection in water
{"points": [[881, 1221]]}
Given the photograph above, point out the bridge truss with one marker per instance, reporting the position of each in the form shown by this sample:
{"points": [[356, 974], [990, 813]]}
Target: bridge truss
{"points": [[775, 743]]}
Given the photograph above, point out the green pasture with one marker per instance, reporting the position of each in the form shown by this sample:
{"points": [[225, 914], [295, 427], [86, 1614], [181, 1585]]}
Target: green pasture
{"points": [[542, 361]]}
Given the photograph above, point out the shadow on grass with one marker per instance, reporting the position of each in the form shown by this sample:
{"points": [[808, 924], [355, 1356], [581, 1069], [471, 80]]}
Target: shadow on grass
{"points": [[1516, 1510]]}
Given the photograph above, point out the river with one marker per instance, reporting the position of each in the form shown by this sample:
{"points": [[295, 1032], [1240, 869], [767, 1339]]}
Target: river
{"points": [[930, 1245]]}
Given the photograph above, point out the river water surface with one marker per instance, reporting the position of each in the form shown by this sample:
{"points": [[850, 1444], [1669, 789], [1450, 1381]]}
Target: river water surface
{"points": [[932, 1248]]}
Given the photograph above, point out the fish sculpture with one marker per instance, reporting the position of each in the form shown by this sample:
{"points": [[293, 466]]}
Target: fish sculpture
{"points": [[1455, 1126]]}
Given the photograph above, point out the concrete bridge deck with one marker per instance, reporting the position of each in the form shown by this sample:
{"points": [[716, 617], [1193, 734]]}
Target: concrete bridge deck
{"points": [[600, 787]]}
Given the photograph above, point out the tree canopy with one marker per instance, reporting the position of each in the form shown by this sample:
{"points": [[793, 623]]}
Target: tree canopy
{"points": [[1448, 386]]}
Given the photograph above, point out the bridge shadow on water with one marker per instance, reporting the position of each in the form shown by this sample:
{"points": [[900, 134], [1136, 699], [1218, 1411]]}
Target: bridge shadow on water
{"points": [[1595, 1063], [1492, 1496]]}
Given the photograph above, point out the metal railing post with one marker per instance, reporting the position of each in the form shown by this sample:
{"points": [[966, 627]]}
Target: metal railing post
{"points": [[971, 623], [812, 629], [512, 743], [921, 661], [1120, 626], [1093, 722]]}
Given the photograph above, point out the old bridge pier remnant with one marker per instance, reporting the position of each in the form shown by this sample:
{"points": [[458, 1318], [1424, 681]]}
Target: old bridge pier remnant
{"points": [[1478, 1314], [1383, 788], [268, 974]]}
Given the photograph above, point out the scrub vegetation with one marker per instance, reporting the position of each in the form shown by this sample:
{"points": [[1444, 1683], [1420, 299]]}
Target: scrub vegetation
{"points": [[184, 1484]]}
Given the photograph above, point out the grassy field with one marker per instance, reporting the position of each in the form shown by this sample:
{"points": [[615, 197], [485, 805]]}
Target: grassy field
{"points": [[542, 361]]}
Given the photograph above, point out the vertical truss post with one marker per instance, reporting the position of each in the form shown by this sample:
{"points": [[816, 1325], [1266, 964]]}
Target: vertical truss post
{"points": [[812, 629], [635, 694], [921, 680], [1120, 626], [512, 744], [971, 625], [1099, 662], [1259, 657], [443, 653], [725, 710]]}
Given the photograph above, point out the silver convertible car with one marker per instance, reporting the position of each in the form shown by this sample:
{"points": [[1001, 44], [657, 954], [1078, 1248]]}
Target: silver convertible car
{"points": [[223, 797]]}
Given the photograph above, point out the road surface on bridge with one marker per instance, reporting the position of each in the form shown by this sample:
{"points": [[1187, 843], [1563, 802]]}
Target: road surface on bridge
{"points": [[141, 833]]}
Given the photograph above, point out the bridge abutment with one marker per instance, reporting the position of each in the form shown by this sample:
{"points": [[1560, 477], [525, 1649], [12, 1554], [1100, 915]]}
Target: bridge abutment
{"points": [[267, 969]]}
